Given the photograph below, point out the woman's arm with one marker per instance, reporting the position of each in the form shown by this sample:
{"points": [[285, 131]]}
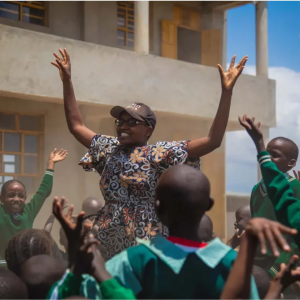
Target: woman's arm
{"points": [[203, 146], [73, 116]]}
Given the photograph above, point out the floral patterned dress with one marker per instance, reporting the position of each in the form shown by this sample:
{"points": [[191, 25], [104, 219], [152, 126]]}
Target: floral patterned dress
{"points": [[128, 181]]}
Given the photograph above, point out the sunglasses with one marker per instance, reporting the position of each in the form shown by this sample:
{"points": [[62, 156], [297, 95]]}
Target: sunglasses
{"points": [[14, 194], [129, 123]]}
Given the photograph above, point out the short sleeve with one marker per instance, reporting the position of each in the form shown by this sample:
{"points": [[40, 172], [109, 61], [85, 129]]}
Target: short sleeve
{"points": [[100, 149], [169, 154]]}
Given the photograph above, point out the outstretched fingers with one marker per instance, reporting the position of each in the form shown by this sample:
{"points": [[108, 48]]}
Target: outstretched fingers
{"points": [[232, 62]]}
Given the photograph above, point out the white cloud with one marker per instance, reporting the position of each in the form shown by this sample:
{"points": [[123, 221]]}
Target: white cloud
{"points": [[241, 168]]}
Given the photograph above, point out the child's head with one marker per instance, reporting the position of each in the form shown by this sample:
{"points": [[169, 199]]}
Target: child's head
{"points": [[262, 281], [242, 217], [284, 153], [13, 196], [39, 273], [25, 244], [182, 197], [91, 205], [206, 229], [11, 286]]}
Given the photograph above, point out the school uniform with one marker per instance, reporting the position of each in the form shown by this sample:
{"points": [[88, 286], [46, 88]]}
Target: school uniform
{"points": [[11, 224], [173, 268], [72, 285], [261, 207], [280, 191]]}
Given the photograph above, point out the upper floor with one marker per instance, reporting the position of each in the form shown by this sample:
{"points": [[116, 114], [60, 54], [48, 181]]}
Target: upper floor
{"points": [[192, 31], [101, 37]]}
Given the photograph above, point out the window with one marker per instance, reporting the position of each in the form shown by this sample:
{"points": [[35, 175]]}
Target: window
{"points": [[33, 12], [126, 23], [20, 149]]}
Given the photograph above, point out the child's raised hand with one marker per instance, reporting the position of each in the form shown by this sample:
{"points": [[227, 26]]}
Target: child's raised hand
{"points": [[85, 255], [288, 274], [72, 230], [58, 156], [254, 132], [252, 128], [268, 231]]}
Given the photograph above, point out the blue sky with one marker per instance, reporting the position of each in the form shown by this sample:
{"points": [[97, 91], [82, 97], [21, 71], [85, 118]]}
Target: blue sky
{"points": [[284, 67], [283, 33]]}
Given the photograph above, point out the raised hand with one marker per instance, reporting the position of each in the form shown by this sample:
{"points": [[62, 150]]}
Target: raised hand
{"points": [[229, 78], [63, 64], [58, 156], [288, 274], [254, 131], [73, 231], [286, 277], [268, 231]]}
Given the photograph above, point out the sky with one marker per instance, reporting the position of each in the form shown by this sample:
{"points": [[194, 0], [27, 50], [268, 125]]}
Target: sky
{"points": [[284, 67]]}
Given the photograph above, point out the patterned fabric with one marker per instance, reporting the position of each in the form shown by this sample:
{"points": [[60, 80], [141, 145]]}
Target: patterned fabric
{"points": [[128, 181]]}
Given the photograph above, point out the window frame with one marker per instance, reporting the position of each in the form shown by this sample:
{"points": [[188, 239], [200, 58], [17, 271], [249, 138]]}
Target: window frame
{"points": [[125, 6], [22, 153], [30, 5]]}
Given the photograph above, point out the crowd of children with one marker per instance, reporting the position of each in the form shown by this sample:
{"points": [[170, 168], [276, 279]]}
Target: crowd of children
{"points": [[178, 255]]}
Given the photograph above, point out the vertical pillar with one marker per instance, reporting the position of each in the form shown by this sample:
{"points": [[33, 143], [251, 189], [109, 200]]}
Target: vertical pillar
{"points": [[224, 42], [213, 166], [265, 132], [141, 27], [261, 14]]}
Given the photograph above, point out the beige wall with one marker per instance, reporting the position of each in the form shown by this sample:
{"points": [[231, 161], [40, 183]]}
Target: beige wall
{"points": [[109, 76]]}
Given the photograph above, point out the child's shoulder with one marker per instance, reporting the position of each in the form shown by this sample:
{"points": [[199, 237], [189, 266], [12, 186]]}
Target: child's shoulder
{"points": [[293, 181]]}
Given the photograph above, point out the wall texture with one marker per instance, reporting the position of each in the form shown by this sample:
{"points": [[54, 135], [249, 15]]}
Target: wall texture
{"points": [[104, 75]]}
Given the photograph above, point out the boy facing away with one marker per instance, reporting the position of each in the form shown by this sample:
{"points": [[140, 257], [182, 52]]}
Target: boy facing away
{"points": [[165, 268], [284, 154]]}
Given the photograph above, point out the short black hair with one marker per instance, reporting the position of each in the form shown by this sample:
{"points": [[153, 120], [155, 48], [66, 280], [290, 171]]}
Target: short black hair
{"points": [[7, 183], [262, 281], [25, 244], [39, 273], [11, 286], [292, 148], [184, 195]]}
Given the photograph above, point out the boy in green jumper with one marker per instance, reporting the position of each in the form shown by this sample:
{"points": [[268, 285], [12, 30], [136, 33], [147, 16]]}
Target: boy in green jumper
{"points": [[279, 189], [15, 215], [182, 266], [284, 153]]}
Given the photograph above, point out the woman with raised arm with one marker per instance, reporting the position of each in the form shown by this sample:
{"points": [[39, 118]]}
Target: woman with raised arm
{"points": [[129, 168]]}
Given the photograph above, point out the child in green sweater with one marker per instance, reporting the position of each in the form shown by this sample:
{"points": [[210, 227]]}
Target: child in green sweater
{"points": [[15, 215], [284, 153]]}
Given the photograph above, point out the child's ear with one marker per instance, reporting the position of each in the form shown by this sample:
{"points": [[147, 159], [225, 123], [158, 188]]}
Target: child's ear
{"points": [[292, 163], [210, 204]]}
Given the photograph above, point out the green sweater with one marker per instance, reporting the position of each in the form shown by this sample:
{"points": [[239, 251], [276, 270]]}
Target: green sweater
{"points": [[261, 207], [71, 285], [281, 194], [159, 269], [12, 224]]}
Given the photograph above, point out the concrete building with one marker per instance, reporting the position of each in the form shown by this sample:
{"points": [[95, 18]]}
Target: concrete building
{"points": [[161, 53]]}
